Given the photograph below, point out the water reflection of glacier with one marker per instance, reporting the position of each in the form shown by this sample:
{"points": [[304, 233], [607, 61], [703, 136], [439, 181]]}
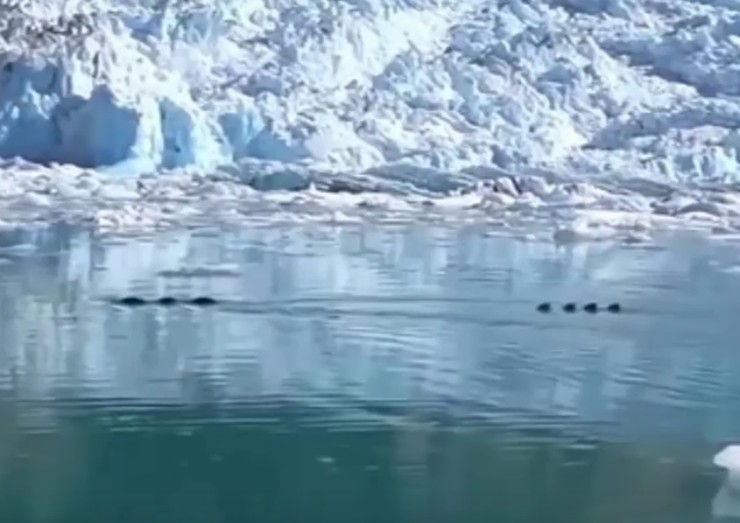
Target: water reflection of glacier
{"points": [[409, 315]]}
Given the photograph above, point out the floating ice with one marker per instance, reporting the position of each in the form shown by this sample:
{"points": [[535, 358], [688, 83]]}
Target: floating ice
{"points": [[726, 503]]}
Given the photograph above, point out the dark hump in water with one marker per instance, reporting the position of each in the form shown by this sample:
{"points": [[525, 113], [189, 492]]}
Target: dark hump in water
{"points": [[544, 307], [569, 307], [130, 301], [167, 301], [203, 301], [614, 308], [591, 307]]}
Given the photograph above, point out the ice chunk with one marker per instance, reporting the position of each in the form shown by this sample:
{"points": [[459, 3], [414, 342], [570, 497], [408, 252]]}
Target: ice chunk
{"points": [[726, 503]]}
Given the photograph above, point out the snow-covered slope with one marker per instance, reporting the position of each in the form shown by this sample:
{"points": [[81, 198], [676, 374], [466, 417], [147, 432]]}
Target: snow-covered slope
{"points": [[391, 96]]}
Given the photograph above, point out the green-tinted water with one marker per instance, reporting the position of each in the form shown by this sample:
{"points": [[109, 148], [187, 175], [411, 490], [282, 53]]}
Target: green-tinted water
{"points": [[210, 471], [395, 375]]}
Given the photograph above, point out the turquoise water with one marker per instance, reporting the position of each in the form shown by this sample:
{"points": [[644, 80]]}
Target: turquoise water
{"points": [[363, 374]]}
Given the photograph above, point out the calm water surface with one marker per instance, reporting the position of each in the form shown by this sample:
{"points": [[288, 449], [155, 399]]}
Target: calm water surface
{"points": [[363, 375]]}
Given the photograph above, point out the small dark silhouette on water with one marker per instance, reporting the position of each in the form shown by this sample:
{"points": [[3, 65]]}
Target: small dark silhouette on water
{"points": [[131, 301], [166, 301], [205, 301], [202, 301], [570, 307], [544, 307]]}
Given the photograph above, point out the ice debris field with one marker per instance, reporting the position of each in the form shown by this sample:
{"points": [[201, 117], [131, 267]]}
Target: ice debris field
{"points": [[594, 117]]}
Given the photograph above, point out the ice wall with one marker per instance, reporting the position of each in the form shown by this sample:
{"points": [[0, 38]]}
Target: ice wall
{"points": [[95, 100], [620, 87]]}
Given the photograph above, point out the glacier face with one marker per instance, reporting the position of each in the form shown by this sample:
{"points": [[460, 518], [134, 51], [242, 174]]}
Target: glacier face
{"points": [[385, 96], [639, 86]]}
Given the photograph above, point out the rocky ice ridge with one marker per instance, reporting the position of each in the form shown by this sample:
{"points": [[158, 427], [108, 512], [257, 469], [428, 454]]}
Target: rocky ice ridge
{"points": [[554, 107]]}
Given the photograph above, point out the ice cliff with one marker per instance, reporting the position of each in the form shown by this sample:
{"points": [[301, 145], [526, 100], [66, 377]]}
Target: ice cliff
{"points": [[638, 87], [431, 94]]}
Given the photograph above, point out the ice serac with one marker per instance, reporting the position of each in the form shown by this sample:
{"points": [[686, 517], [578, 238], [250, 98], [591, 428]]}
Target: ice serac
{"points": [[620, 88], [99, 104]]}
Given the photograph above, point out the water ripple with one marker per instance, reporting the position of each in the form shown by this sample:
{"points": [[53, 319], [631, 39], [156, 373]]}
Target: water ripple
{"points": [[421, 350]]}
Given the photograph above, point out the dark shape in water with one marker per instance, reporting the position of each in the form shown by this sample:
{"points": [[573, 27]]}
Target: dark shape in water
{"points": [[544, 307], [167, 301], [131, 301], [614, 307], [203, 301], [569, 307], [591, 307]]}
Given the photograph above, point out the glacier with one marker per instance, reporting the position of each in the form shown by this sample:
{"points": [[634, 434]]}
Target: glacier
{"points": [[598, 116]]}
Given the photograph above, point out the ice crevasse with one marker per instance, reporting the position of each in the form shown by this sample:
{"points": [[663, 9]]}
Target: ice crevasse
{"points": [[616, 87]]}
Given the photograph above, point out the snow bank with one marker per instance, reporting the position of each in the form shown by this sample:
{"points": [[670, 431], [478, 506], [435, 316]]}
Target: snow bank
{"points": [[401, 97]]}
